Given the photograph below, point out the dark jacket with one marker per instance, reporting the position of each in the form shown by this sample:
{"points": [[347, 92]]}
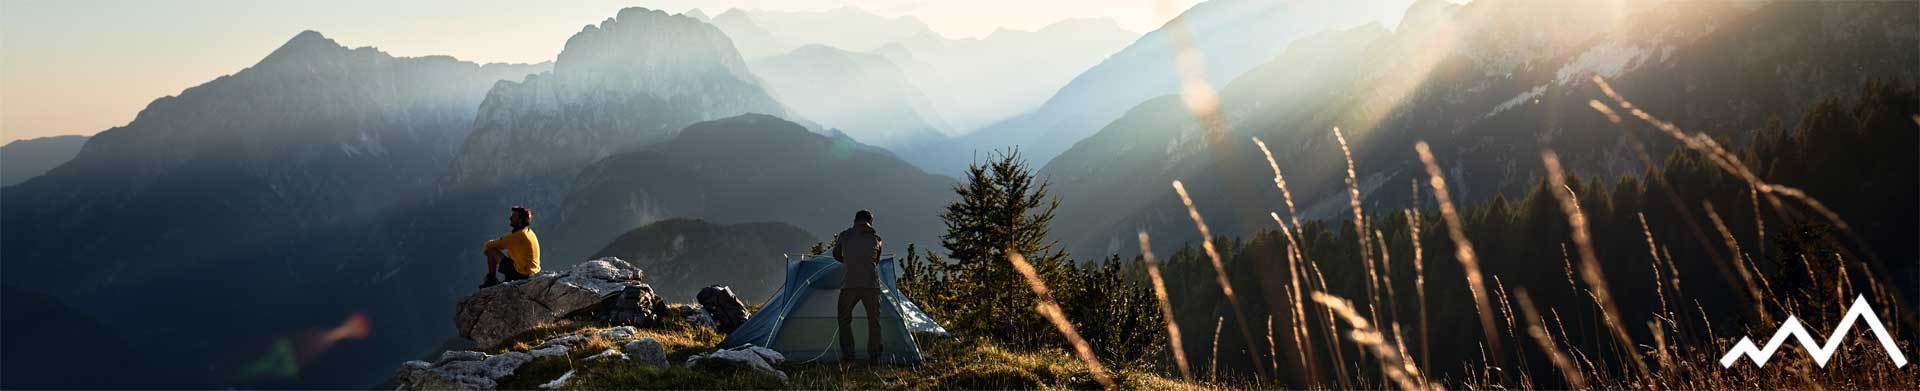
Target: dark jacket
{"points": [[858, 250]]}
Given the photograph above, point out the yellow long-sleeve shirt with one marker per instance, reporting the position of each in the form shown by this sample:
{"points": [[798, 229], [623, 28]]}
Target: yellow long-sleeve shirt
{"points": [[521, 245]]}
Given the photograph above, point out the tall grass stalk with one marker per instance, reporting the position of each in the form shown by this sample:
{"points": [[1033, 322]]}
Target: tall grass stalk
{"points": [[1590, 263], [1045, 304], [1463, 249], [1220, 273], [1301, 337], [1568, 369], [1213, 361], [1739, 264], [1393, 365], [1419, 274], [1166, 308], [1295, 251]]}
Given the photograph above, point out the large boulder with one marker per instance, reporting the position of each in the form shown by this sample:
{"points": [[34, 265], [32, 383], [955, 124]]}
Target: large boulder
{"points": [[495, 313], [725, 307]]}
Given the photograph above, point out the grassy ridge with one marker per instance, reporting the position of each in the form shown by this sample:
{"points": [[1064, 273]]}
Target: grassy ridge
{"points": [[952, 363]]}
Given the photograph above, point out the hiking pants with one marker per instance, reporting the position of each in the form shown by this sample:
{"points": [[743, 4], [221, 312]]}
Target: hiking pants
{"points": [[871, 298], [509, 272]]}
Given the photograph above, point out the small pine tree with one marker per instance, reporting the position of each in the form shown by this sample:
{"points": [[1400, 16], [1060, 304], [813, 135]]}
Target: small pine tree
{"points": [[1002, 208]]}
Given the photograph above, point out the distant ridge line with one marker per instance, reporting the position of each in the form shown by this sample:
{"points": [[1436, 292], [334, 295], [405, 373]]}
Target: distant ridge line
{"points": [[1792, 327]]}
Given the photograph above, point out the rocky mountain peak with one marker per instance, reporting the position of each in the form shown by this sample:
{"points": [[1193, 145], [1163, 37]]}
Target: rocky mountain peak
{"points": [[632, 80], [303, 46], [642, 49]]}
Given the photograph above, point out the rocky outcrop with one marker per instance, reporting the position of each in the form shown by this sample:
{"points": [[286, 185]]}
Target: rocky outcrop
{"points": [[461, 370], [501, 311], [470, 370]]}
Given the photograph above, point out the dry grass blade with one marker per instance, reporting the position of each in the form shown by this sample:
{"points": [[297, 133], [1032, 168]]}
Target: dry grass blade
{"points": [[1213, 361], [1568, 370], [1166, 308], [1299, 329], [1360, 229], [1279, 181], [1589, 263], [1419, 275], [1393, 364], [1273, 348], [1050, 309], [1463, 249], [1746, 275], [1220, 272]]}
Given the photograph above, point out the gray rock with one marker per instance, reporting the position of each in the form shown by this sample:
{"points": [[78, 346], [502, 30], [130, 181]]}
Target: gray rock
{"points": [[700, 318], [758, 358], [495, 313], [619, 333], [461, 355], [502, 365], [609, 354], [557, 383], [647, 351], [554, 350], [460, 370], [719, 302]]}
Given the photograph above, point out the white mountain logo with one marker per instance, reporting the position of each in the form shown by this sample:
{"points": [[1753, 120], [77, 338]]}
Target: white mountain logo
{"points": [[1793, 328]]}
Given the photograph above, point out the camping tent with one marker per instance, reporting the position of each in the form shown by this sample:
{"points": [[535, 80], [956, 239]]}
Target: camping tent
{"points": [[800, 321]]}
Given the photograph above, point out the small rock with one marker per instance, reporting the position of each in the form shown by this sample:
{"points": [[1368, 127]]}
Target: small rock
{"points": [[619, 333], [609, 354], [461, 355], [770, 355], [557, 383], [748, 355], [647, 351], [700, 318]]}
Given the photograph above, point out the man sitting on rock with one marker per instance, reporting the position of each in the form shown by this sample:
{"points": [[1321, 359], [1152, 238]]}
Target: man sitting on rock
{"points": [[517, 254], [858, 250]]}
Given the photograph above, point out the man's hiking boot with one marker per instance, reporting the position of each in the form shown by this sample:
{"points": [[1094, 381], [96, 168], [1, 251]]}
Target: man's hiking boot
{"points": [[491, 281]]}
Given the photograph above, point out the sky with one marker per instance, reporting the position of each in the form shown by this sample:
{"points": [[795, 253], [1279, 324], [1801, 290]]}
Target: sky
{"points": [[83, 66]]}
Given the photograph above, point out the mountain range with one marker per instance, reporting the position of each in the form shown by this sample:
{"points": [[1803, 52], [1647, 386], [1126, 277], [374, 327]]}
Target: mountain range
{"points": [[969, 82], [24, 159], [864, 95], [325, 183], [1231, 37]]}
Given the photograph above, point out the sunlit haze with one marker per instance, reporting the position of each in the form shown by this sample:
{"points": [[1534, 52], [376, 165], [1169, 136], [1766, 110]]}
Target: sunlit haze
{"points": [[79, 67]]}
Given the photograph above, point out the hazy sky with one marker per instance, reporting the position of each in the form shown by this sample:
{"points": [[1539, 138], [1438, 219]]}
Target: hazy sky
{"points": [[82, 66]]}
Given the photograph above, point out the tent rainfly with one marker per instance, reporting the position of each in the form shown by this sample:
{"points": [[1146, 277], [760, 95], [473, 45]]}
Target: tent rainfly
{"points": [[800, 320]]}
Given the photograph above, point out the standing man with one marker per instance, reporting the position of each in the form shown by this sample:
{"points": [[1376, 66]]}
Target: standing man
{"points": [[858, 250], [517, 254]]}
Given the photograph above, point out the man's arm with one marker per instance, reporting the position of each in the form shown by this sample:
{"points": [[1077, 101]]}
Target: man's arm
{"points": [[878, 245], [836, 248], [493, 250]]}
